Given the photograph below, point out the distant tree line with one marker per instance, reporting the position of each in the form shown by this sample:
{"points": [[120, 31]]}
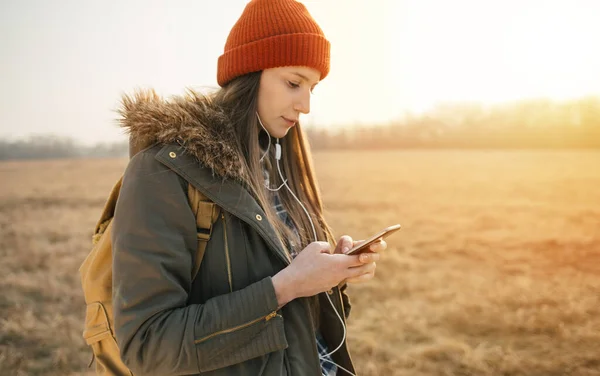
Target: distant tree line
{"points": [[52, 146], [523, 124]]}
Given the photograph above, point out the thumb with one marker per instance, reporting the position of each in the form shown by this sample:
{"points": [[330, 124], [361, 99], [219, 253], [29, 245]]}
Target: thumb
{"points": [[344, 244]]}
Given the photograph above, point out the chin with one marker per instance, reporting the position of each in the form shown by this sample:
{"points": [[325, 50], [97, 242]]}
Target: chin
{"points": [[280, 133]]}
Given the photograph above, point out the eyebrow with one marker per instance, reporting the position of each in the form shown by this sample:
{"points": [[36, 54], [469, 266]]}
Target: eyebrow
{"points": [[303, 77]]}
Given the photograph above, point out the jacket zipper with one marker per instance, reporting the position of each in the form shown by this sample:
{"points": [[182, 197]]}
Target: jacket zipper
{"points": [[266, 318], [227, 252]]}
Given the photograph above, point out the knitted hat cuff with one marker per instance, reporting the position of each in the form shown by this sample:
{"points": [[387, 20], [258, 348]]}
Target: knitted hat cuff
{"points": [[301, 49]]}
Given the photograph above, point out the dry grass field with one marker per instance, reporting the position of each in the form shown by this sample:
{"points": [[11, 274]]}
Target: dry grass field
{"points": [[496, 270]]}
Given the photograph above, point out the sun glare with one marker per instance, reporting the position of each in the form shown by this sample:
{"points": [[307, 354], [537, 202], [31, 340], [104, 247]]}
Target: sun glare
{"points": [[426, 52]]}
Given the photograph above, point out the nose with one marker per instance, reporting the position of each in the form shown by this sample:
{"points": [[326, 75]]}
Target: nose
{"points": [[303, 103]]}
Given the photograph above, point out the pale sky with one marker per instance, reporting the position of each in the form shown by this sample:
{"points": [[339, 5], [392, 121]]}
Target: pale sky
{"points": [[65, 63]]}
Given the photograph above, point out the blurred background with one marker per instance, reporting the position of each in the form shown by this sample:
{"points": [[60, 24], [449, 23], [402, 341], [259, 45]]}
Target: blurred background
{"points": [[428, 73], [474, 124]]}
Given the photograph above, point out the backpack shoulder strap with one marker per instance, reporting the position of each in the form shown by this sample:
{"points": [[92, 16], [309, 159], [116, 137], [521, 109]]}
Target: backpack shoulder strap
{"points": [[207, 213], [107, 212]]}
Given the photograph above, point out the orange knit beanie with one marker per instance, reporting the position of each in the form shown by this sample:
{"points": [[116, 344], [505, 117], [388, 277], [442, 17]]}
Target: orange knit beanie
{"points": [[273, 33]]}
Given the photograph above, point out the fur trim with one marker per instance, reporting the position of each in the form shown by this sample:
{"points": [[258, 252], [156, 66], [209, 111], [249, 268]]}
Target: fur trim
{"points": [[192, 120]]}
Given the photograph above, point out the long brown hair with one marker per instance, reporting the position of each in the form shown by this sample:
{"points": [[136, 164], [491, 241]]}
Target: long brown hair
{"points": [[240, 99]]}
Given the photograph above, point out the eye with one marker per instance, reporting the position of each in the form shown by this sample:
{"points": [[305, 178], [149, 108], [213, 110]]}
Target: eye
{"points": [[293, 84]]}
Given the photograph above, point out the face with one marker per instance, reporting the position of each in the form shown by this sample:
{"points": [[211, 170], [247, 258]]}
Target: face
{"points": [[283, 94]]}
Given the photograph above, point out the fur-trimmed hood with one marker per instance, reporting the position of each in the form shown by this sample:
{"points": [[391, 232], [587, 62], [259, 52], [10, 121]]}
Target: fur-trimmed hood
{"points": [[191, 120]]}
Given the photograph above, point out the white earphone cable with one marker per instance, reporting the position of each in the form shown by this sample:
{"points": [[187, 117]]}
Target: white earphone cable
{"points": [[278, 157], [268, 135]]}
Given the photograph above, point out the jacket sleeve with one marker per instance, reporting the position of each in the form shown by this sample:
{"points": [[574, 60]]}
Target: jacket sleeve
{"points": [[153, 239]]}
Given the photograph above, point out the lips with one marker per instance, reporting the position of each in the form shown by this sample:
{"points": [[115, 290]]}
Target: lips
{"points": [[289, 121]]}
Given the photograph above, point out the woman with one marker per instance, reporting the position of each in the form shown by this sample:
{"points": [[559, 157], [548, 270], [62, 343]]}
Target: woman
{"points": [[266, 300]]}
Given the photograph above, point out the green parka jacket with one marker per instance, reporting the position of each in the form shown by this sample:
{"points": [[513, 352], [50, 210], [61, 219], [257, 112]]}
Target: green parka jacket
{"points": [[225, 321]]}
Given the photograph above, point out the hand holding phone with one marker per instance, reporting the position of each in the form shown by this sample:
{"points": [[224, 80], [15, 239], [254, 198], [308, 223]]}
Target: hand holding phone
{"points": [[364, 246]]}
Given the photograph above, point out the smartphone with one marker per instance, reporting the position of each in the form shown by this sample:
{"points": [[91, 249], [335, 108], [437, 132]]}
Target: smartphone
{"points": [[364, 246]]}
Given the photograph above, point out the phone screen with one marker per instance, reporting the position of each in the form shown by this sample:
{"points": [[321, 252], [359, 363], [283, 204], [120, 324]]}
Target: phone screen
{"points": [[365, 245]]}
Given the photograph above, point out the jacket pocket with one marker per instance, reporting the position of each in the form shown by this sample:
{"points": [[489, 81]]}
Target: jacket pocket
{"points": [[98, 335], [240, 343], [239, 327]]}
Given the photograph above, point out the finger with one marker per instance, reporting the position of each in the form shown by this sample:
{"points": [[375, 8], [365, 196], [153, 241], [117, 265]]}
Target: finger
{"points": [[347, 261], [359, 270], [357, 242], [361, 278], [378, 246], [344, 244], [368, 257]]}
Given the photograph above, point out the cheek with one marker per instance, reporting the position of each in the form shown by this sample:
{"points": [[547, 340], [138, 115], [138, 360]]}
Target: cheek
{"points": [[274, 100], [266, 102], [262, 110]]}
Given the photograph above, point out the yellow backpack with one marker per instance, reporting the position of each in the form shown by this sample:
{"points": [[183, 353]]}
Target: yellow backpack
{"points": [[96, 279]]}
